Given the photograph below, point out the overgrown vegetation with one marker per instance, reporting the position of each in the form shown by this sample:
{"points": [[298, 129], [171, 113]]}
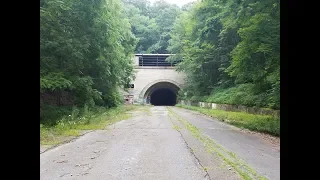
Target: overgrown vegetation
{"points": [[259, 123], [75, 123], [85, 55], [230, 51]]}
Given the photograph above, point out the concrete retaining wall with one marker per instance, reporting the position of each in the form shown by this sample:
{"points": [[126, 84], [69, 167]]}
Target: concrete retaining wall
{"points": [[236, 108]]}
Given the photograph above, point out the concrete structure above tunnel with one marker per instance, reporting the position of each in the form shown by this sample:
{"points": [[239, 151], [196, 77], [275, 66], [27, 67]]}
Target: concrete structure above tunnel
{"points": [[152, 73]]}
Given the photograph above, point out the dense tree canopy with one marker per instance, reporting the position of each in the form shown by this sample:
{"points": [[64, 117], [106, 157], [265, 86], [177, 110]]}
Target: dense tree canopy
{"points": [[230, 51], [85, 52], [151, 24]]}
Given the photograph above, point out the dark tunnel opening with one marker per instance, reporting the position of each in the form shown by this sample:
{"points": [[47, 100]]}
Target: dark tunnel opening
{"points": [[163, 97]]}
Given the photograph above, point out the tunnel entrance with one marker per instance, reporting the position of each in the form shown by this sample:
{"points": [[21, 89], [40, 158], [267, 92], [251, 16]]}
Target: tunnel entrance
{"points": [[162, 93], [163, 97]]}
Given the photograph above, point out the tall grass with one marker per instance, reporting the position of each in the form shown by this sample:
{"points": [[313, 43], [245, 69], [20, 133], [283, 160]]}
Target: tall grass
{"points": [[259, 123], [77, 121]]}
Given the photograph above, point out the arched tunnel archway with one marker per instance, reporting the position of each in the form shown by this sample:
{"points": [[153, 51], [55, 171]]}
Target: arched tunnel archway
{"points": [[162, 94]]}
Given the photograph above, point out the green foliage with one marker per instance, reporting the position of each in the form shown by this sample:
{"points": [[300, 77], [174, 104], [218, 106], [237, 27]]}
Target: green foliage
{"points": [[151, 24], [259, 123], [230, 51], [242, 94], [85, 50], [54, 81], [49, 114]]}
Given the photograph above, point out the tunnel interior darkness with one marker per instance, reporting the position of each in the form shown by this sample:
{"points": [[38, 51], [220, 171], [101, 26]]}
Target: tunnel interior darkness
{"points": [[163, 97], [162, 93]]}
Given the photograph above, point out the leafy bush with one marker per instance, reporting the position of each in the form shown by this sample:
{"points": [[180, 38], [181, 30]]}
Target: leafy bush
{"points": [[242, 94]]}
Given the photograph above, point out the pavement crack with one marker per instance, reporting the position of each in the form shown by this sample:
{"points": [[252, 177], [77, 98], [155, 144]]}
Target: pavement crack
{"points": [[84, 173], [64, 161], [79, 165], [191, 151], [64, 174], [198, 160]]}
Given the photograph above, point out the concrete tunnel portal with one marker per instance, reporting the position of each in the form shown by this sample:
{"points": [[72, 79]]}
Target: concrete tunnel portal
{"points": [[162, 94]]}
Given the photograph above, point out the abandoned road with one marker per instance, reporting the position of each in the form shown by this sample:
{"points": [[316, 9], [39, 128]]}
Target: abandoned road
{"points": [[163, 143]]}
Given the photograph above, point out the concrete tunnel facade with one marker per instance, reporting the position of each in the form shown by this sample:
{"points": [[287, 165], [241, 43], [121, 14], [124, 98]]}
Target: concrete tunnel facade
{"points": [[159, 81]]}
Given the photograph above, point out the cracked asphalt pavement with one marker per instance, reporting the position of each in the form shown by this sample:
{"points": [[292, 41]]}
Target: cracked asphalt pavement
{"points": [[148, 146]]}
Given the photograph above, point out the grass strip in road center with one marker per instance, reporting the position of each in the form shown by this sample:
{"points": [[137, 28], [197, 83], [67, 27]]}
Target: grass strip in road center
{"points": [[212, 147]]}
